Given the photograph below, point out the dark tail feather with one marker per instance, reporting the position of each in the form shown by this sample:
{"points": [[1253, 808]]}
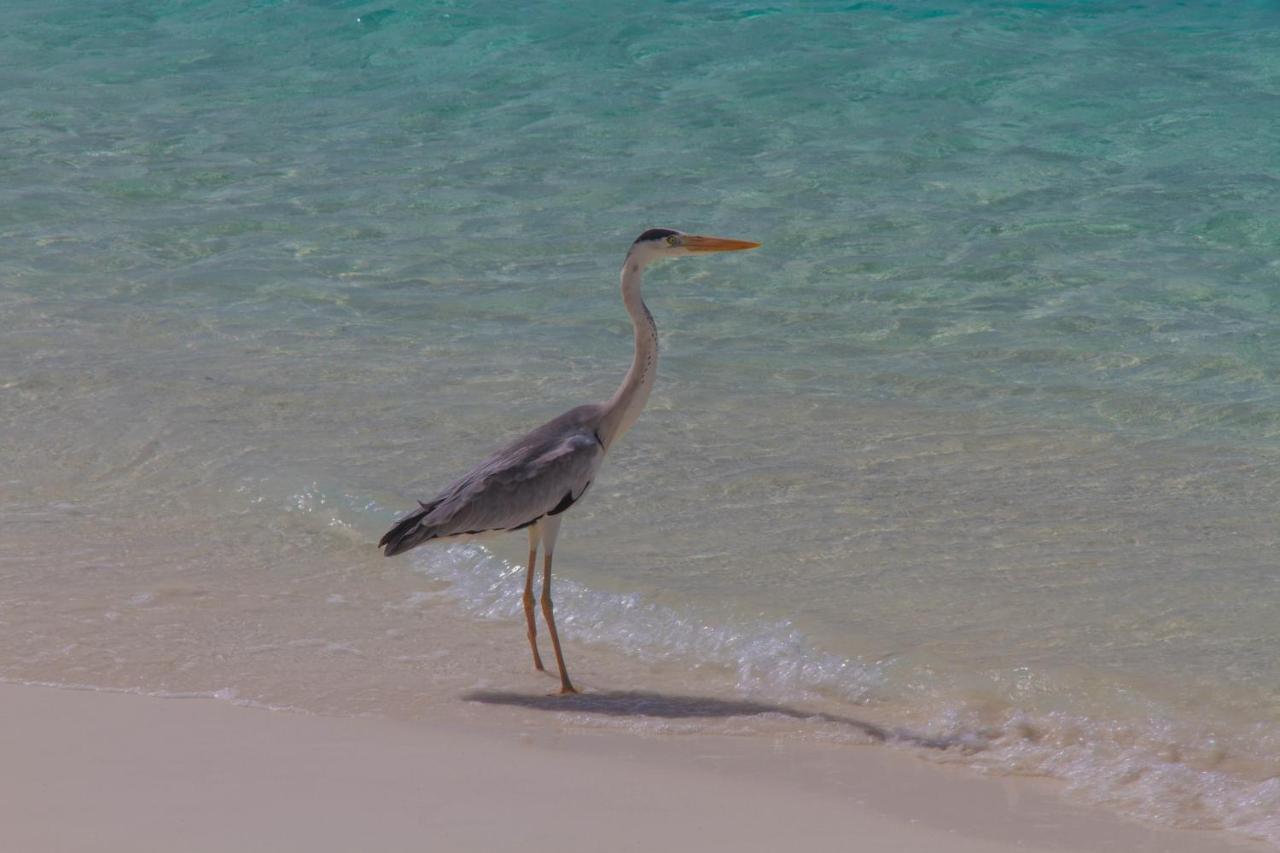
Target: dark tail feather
{"points": [[409, 532]]}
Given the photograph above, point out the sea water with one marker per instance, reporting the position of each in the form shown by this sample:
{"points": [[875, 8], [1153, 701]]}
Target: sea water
{"points": [[979, 454]]}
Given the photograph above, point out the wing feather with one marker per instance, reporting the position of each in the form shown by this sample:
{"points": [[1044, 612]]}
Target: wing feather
{"points": [[514, 489], [541, 473]]}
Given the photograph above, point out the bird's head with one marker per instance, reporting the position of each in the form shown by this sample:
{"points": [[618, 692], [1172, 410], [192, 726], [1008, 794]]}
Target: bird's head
{"points": [[658, 243]]}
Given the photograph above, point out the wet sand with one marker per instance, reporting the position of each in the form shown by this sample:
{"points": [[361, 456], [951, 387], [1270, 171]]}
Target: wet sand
{"points": [[91, 770]]}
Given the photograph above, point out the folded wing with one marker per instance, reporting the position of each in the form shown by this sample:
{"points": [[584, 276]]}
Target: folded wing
{"points": [[541, 474]]}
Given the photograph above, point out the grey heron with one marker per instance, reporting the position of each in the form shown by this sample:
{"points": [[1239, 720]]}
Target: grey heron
{"points": [[529, 483]]}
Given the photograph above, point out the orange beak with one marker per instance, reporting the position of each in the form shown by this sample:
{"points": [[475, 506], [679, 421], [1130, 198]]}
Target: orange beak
{"points": [[698, 243]]}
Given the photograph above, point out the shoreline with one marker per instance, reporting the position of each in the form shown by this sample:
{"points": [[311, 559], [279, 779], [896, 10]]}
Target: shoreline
{"points": [[111, 771]]}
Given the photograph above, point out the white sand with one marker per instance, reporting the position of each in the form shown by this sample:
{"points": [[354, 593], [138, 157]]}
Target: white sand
{"points": [[85, 770]]}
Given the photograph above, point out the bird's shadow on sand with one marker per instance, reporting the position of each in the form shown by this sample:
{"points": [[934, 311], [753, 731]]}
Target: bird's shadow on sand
{"points": [[632, 703]]}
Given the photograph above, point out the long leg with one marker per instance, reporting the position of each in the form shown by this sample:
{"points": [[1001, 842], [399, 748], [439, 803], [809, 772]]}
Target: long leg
{"points": [[565, 685], [528, 598]]}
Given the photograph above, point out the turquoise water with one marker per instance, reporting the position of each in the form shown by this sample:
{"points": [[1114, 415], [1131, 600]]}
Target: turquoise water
{"points": [[985, 439]]}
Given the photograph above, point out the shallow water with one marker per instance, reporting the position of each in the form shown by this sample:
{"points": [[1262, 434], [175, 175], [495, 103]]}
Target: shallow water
{"points": [[982, 446]]}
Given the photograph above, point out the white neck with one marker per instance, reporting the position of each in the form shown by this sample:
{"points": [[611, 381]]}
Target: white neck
{"points": [[622, 409]]}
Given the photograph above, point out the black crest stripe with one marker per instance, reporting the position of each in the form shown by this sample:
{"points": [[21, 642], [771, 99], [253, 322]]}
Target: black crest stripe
{"points": [[655, 234]]}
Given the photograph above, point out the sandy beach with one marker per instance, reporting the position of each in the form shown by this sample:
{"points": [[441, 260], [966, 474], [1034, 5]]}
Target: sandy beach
{"points": [[948, 517], [90, 770]]}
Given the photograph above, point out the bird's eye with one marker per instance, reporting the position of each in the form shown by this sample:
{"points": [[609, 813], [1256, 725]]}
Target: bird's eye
{"points": [[672, 240]]}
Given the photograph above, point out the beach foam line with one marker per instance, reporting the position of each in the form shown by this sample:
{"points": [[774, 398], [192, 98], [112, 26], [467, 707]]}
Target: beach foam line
{"points": [[1149, 768], [772, 657]]}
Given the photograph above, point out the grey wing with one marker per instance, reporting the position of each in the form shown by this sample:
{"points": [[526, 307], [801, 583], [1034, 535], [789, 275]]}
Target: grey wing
{"points": [[518, 486]]}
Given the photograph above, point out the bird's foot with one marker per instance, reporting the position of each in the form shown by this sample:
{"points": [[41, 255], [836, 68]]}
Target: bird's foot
{"points": [[567, 689]]}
